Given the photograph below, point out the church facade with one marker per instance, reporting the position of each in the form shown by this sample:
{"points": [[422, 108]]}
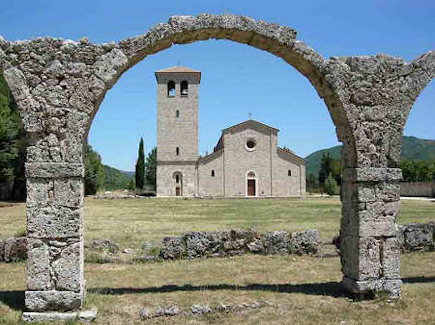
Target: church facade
{"points": [[246, 162]]}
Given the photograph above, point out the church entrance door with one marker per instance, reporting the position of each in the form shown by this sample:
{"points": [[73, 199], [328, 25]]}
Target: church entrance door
{"points": [[251, 187]]}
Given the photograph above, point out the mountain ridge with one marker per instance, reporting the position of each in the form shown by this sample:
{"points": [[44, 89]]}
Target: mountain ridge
{"points": [[413, 148]]}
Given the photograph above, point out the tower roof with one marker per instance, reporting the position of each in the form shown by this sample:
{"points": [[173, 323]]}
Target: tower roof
{"points": [[179, 69]]}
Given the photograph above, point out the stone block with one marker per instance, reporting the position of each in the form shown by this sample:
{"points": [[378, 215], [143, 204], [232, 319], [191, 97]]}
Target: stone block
{"points": [[360, 257], [365, 193], [304, 242], [68, 267], [372, 219], [53, 300], [54, 170], [388, 192], [15, 249], [391, 258], [38, 273], [391, 287], [69, 192], [41, 317], [172, 247], [201, 243], [38, 191], [276, 242], [103, 245], [54, 222], [417, 236], [372, 174]]}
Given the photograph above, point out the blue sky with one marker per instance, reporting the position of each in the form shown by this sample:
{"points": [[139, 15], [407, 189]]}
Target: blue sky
{"points": [[236, 79]]}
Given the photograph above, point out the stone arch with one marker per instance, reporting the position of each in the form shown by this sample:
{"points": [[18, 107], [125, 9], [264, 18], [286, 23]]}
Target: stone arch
{"points": [[59, 84]]}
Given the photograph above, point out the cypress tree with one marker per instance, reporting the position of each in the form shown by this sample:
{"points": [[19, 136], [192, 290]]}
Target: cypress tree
{"points": [[150, 168], [140, 167]]}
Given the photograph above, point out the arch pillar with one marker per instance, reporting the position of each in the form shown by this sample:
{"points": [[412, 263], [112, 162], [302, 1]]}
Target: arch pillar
{"points": [[369, 247], [55, 236]]}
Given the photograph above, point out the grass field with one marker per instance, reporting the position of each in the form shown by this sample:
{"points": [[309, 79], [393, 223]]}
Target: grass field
{"points": [[301, 289], [131, 222]]}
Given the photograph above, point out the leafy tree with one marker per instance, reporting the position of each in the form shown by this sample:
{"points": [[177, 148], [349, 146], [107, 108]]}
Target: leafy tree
{"points": [[9, 126], [140, 167], [94, 171], [325, 168], [151, 168], [330, 187], [131, 184], [418, 171], [12, 145]]}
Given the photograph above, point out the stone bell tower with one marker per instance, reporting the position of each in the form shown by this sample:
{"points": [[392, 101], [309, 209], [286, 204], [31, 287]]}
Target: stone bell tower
{"points": [[177, 131]]}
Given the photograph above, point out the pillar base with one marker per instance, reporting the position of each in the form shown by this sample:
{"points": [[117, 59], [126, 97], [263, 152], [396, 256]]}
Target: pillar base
{"points": [[388, 286], [42, 317]]}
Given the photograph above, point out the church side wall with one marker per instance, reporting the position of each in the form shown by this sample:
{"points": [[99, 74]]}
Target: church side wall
{"points": [[209, 185], [284, 185], [239, 161]]}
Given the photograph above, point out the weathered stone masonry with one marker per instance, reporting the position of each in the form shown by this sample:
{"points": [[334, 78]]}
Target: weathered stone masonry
{"points": [[59, 85]]}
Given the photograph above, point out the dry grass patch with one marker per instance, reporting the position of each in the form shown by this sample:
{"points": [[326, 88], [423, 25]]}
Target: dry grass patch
{"points": [[300, 289]]}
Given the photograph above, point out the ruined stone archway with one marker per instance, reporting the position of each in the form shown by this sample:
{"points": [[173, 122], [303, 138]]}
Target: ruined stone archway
{"points": [[59, 84]]}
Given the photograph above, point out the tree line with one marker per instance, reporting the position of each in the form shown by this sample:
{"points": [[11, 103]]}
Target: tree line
{"points": [[13, 146], [99, 176], [328, 179]]}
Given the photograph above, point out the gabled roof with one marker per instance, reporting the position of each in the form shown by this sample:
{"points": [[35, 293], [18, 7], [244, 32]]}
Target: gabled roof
{"points": [[179, 69], [288, 153], [248, 123]]}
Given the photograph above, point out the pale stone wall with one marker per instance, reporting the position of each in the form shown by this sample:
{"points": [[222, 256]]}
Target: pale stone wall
{"points": [[208, 185], [284, 185], [238, 161], [173, 132], [424, 189], [166, 180]]}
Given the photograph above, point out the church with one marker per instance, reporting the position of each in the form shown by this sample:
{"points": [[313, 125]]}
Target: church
{"points": [[246, 161]]}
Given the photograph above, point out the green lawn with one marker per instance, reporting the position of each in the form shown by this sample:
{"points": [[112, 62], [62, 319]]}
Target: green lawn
{"points": [[131, 222], [301, 289]]}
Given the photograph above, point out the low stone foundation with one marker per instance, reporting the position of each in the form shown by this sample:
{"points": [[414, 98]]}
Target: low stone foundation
{"points": [[237, 242], [43, 317], [412, 237]]}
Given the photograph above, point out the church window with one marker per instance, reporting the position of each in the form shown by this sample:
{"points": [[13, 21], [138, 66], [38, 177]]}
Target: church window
{"points": [[250, 144], [212, 173], [289, 173], [184, 88], [177, 113], [177, 151], [251, 174], [177, 178], [171, 89]]}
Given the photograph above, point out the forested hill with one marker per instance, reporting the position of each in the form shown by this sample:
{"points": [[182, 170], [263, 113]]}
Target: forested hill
{"points": [[412, 149], [116, 179]]}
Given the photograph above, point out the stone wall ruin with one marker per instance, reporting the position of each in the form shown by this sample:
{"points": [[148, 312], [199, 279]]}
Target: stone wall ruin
{"points": [[59, 84]]}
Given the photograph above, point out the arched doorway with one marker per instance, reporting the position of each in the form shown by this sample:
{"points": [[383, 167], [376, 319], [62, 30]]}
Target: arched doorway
{"points": [[251, 184], [178, 183]]}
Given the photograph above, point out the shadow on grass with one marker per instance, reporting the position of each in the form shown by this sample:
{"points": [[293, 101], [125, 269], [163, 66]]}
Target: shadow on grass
{"points": [[333, 289], [15, 298]]}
